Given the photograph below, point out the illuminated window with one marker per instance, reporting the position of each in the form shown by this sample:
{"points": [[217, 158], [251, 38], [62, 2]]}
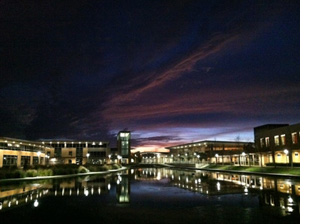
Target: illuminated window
{"points": [[267, 141], [262, 142], [124, 135], [283, 140], [276, 140], [294, 138]]}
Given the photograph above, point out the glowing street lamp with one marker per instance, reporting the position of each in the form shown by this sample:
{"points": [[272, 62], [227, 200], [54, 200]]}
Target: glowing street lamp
{"points": [[216, 156], [87, 155], [39, 153], [47, 159], [286, 152]]}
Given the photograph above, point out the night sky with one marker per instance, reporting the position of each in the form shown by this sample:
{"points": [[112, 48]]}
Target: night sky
{"points": [[169, 71]]}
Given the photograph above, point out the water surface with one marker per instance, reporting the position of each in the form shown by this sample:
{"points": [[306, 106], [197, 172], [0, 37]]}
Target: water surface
{"points": [[152, 195]]}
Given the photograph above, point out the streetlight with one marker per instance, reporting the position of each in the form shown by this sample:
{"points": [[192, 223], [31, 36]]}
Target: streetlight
{"points": [[286, 152], [39, 153], [198, 156], [216, 156], [87, 155], [119, 158], [47, 159], [244, 159]]}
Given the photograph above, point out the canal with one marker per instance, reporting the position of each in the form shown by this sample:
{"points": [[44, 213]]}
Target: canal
{"points": [[153, 195]]}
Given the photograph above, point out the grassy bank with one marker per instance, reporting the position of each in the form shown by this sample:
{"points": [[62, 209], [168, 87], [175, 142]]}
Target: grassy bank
{"points": [[270, 170], [39, 171]]}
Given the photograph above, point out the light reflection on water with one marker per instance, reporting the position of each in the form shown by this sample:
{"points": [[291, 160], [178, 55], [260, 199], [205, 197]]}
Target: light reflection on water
{"points": [[277, 194]]}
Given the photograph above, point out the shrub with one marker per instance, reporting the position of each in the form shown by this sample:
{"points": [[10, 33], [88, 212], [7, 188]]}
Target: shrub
{"points": [[83, 169], [31, 173], [105, 168], [45, 172], [116, 166]]}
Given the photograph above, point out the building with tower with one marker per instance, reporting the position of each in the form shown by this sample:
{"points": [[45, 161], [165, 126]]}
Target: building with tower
{"points": [[123, 146]]}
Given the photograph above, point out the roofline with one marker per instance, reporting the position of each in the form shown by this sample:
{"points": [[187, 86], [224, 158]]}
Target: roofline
{"points": [[209, 142]]}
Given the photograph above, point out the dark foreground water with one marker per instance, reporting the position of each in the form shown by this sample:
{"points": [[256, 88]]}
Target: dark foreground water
{"points": [[152, 195]]}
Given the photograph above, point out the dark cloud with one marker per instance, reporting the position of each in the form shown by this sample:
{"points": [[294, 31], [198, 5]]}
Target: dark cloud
{"points": [[89, 69]]}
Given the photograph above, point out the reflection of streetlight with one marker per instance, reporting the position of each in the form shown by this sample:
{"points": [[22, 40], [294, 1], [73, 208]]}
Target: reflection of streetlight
{"points": [[36, 203], [286, 152]]}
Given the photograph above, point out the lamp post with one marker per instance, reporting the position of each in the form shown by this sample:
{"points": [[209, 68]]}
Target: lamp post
{"points": [[244, 159], [119, 158], [198, 156], [87, 155], [216, 156], [47, 159], [286, 152], [39, 153]]}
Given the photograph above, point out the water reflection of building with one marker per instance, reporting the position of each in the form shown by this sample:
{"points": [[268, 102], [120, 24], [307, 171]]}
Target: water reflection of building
{"points": [[123, 189], [12, 196], [281, 193]]}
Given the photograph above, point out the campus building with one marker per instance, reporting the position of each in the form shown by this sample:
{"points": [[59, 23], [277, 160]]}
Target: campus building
{"points": [[275, 144], [124, 146], [222, 152], [17, 152], [77, 152], [278, 143]]}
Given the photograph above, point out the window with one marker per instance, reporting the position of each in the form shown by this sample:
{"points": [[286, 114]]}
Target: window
{"points": [[283, 140], [276, 140], [35, 160], [25, 160], [70, 153], [267, 141], [9, 160], [294, 138], [296, 154], [262, 142]]}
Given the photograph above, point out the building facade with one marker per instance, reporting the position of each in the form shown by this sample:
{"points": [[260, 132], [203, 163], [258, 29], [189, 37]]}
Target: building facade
{"points": [[124, 146], [275, 144], [17, 152], [78, 152], [278, 144], [222, 152]]}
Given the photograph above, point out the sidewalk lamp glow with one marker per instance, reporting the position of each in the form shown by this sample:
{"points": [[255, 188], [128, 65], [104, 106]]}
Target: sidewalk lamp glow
{"points": [[216, 155], [286, 152], [39, 153], [243, 153]]}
